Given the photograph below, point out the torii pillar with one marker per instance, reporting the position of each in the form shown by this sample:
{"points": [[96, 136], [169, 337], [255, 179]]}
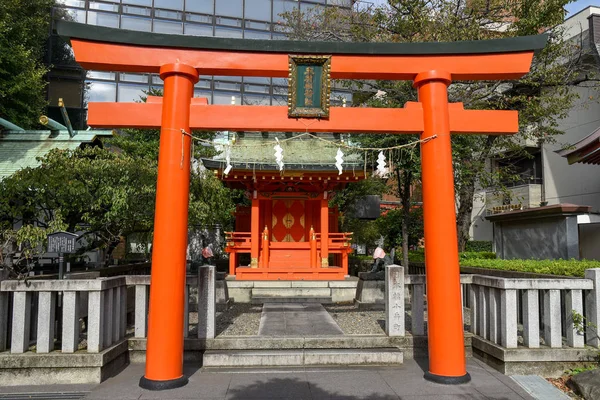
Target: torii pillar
{"points": [[447, 362], [164, 349]]}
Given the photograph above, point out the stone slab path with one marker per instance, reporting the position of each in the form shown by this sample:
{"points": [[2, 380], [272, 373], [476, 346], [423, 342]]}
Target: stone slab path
{"points": [[297, 319]]}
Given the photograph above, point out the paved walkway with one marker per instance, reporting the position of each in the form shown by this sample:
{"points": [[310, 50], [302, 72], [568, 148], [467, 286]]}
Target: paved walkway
{"points": [[405, 382], [293, 319]]}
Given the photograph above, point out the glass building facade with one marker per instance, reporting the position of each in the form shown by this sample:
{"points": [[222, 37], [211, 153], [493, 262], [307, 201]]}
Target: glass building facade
{"points": [[249, 19]]}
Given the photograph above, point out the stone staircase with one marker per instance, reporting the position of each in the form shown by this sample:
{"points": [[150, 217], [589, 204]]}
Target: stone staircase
{"points": [[302, 357], [291, 292]]}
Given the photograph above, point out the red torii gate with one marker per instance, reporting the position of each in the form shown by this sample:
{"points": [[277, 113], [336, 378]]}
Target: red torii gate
{"points": [[181, 59]]}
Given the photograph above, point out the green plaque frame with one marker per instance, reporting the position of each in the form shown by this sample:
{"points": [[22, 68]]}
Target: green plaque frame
{"points": [[309, 86]]}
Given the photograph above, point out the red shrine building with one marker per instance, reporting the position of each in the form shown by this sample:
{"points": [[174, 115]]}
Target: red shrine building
{"points": [[288, 231]]}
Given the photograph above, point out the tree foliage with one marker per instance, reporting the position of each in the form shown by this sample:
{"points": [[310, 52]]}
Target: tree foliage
{"points": [[105, 192], [24, 27], [542, 97]]}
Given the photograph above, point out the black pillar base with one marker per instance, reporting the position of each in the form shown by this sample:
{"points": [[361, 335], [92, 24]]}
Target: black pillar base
{"points": [[448, 380], [150, 384]]}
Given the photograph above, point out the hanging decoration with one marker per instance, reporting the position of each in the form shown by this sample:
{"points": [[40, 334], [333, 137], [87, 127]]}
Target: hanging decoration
{"points": [[278, 154], [228, 167], [382, 170], [339, 160]]}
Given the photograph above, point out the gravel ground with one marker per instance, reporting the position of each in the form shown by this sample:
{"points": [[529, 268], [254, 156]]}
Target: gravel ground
{"points": [[241, 319], [355, 322]]}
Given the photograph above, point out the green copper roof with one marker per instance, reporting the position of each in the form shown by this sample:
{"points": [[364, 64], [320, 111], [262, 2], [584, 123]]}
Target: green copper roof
{"points": [[19, 149], [253, 151], [113, 35]]}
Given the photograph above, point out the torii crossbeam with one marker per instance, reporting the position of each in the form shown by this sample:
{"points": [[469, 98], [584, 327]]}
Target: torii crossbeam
{"points": [[181, 59]]}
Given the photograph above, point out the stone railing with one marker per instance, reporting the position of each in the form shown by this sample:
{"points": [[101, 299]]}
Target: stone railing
{"points": [[410, 289], [554, 307], [33, 306], [203, 288]]}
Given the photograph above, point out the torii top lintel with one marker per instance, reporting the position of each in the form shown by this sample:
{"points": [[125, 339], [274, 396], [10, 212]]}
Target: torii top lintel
{"points": [[102, 48]]}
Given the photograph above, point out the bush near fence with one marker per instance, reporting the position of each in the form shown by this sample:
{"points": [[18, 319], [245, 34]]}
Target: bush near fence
{"points": [[479, 245], [574, 268]]}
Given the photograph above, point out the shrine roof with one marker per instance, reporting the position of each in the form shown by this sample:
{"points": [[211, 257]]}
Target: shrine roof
{"points": [[21, 149], [113, 35], [255, 152], [586, 151]]}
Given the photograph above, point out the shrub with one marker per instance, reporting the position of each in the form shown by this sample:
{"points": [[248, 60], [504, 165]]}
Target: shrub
{"points": [[553, 267], [419, 255], [473, 255], [478, 245]]}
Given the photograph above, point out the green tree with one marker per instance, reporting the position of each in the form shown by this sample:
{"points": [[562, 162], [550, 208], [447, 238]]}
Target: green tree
{"points": [[24, 29], [107, 192], [541, 97]]}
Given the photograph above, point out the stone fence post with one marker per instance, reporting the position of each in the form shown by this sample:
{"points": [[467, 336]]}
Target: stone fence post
{"points": [[394, 300], [592, 302], [206, 302]]}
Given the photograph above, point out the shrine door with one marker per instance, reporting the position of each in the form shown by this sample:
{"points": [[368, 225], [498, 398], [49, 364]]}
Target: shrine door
{"points": [[288, 220]]}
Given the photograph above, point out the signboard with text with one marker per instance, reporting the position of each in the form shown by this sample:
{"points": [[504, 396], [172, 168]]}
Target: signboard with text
{"points": [[61, 242]]}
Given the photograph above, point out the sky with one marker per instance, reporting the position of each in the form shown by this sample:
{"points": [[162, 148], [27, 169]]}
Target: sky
{"points": [[571, 8], [580, 5]]}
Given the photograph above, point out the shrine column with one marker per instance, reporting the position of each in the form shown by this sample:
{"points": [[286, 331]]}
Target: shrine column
{"points": [[164, 354], [447, 363], [324, 231], [254, 232]]}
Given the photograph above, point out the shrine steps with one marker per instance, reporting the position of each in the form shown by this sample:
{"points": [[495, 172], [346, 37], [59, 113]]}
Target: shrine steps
{"points": [[324, 292], [291, 299], [283, 294], [302, 357], [335, 291]]}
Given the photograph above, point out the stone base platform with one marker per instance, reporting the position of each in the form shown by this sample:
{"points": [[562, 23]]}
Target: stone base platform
{"points": [[60, 368], [545, 361]]}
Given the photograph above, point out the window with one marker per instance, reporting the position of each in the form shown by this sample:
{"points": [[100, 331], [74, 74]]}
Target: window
{"points": [[168, 14], [200, 6], [131, 93], [311, 8], [205, 19], [73, 3], [101, 75], [76, 15], [171, 4], [198, 30], [257, 79], [282, 6], [248, 34], [103, 19], [229, 21], [256, 88], [203, 83], [171, 27], [136, 23], [204, 94], [225, 98], [137, 11], [138, 2], [256, 100], [522, 170], [280, 100], [258, 9], [101, 91], [229, 8], [94, 5], [139, 78], [227, 86], [227, 78], [228, 32]]}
